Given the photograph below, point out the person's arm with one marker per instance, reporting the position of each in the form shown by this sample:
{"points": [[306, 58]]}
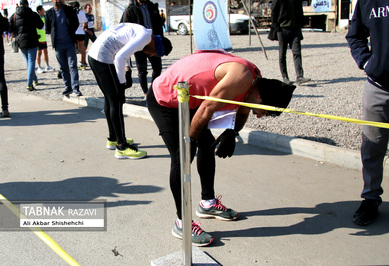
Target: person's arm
{"points": [[38, 21], [357, 38], [73, 19], [48, 22], [12, 25], [234, 79], [275, 12], [4, 24], [156, 19]]}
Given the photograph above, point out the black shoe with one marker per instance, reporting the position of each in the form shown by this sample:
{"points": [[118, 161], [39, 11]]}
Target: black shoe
{"points": [[59, 75], [302, 80], [287, 81], [67, 92], [5, 113], [366, 213]]}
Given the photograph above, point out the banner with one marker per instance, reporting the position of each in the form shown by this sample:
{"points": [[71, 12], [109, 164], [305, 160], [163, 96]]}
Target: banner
{"points": [[321, 5], [210, 24]]}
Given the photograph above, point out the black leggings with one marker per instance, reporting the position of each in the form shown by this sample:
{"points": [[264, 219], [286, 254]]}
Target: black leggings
{"points": [[167, 123], [114, 98], [141, 65], [3, 84]]}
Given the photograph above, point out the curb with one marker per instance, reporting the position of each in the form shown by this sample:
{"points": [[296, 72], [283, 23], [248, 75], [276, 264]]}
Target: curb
{"points": [[309, 149]]}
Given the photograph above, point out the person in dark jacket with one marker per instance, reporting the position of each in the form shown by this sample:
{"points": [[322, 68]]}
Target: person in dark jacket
{"points": [[287, 19], [62, 23], [24, 23], [145, 13], [370, 19], [4, 26]]}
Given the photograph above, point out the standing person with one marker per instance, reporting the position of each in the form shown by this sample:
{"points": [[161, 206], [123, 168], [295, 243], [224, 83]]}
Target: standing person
{"points": [[90, 30], [107, 58], [287, 20], [145, 13], [6, 33], [62, 23], [369, 21], [80, 33], [163, 17], [4, 26], [24, 24], [42, 46], [219, 75]]}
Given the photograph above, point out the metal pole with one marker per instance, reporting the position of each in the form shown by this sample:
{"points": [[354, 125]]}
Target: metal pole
{"points": [[255, 28], [184, 125]]}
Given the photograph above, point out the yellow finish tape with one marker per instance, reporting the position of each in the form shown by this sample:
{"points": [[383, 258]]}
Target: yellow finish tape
{"points": [[183, 94], [42, 235], [285, 110]]}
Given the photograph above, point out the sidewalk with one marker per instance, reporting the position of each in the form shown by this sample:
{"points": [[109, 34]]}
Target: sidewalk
{"points": [[294, 210]]}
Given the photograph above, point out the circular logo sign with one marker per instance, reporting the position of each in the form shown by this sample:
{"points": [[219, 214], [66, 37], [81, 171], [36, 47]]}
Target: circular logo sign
{"points": [[209, 12]]}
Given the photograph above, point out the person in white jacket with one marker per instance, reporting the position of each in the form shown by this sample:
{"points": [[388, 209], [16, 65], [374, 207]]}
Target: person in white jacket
{"points": [[107, 58]]}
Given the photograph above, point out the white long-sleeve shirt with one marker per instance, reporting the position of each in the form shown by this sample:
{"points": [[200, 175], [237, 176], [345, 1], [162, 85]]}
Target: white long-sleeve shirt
{"points": [[116, 44]]}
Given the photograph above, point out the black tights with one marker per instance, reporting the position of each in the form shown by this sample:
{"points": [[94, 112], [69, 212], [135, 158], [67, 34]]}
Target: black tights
{"points": [[167, 122], [114, 98]]}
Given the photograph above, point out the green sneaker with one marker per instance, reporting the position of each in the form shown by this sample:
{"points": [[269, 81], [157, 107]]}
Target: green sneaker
{"points": [[199, 237], [112, 144], [30, 88], [35, 83], [130, 152], [218, 211]]}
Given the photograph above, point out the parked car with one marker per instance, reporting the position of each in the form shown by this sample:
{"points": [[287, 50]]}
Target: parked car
{"points": [[179, 21]]}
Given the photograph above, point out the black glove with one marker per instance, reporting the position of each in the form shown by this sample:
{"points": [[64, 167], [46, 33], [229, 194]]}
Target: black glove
{"points": [[128, 78], [227, 143]]}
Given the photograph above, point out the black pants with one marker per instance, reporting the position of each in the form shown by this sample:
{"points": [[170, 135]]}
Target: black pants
{"points": [[167, 123], [141, 65], [291, 38], [114, 98], [3, 85]]}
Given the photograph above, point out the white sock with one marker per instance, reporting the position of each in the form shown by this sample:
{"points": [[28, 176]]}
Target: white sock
{"points": [[179, 223], [208, 203]]}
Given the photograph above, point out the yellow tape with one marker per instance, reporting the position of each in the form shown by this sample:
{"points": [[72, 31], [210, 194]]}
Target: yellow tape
{"points": [[285, 110], [183, 94], [42, 235]]}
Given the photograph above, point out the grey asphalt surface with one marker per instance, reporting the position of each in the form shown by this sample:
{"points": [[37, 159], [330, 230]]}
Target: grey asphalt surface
{"points": [[294, 210]]}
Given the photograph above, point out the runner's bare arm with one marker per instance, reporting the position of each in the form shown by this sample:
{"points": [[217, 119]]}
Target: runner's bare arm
{"points": [[234, 79]]}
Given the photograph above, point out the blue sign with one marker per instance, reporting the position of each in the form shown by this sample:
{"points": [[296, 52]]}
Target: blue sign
{"points": [[210, 25]]}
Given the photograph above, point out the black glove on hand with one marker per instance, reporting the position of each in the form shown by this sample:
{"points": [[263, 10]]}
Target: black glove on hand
{"points": [[227, 143], [128, 78]]}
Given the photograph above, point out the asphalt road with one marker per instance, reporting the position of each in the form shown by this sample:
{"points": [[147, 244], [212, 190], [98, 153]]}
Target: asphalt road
{"points": [[294, 211]]}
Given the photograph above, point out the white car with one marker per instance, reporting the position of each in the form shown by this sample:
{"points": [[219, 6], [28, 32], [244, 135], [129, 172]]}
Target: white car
{"points": [[179, 21]]}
